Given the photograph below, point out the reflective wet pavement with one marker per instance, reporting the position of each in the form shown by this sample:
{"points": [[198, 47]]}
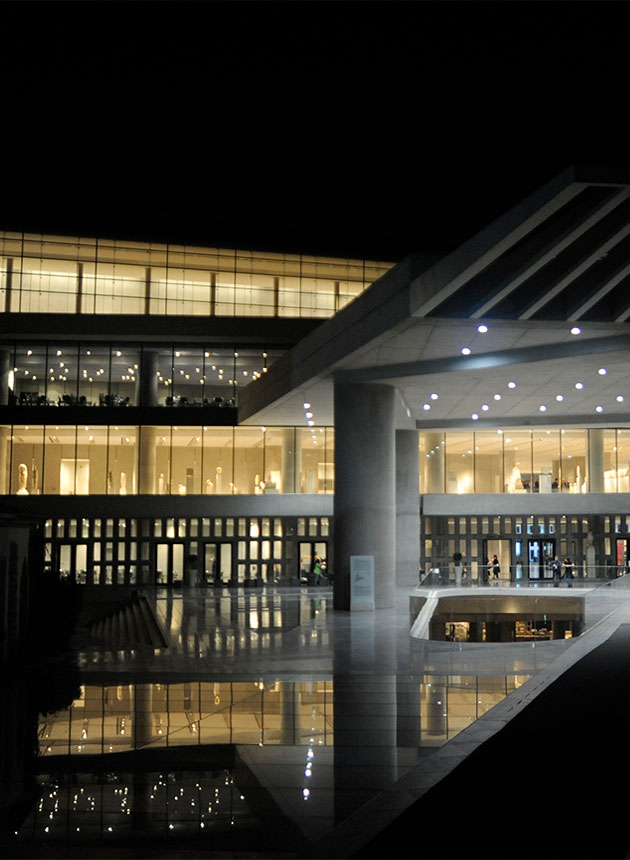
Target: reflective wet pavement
{"points": [[266, 725]]}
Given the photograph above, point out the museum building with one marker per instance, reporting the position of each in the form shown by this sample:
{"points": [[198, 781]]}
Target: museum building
{"points": [[175, 414]]}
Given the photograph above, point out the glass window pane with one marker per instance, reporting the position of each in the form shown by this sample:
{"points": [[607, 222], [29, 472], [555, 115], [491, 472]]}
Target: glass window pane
{"points": [[488, 461], [459, 462]]}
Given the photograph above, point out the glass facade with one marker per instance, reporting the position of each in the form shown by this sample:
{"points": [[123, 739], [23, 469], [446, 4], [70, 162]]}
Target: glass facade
{"points": [[168, 551], [109, 374], [70, 275], [170, 459], [164, 460], [532, 460]]}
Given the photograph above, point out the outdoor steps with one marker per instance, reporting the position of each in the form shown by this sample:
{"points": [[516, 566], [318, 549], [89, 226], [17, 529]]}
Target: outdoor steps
{"points": [[128, 626]]}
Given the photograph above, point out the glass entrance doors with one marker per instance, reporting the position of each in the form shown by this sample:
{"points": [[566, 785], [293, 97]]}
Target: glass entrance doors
{"points": [[169, 563], [72, 561], [309, 552], [539, 554], [623, 556], [217, 563]]}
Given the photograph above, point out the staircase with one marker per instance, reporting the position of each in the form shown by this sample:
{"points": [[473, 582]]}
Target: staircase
{"points": [[128, 625]]}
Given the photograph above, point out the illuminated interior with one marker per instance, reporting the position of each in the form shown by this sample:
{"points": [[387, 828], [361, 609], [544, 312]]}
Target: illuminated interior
{"points": [[523, 460], [59, 274]]}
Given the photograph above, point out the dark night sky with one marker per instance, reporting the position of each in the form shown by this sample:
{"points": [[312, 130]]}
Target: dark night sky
{"points": [[371, 128]]}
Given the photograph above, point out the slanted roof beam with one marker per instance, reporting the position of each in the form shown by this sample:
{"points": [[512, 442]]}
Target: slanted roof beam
{"points": [[434, 286], [623, 316], [617, 278], [550, 251], [585, 264]]}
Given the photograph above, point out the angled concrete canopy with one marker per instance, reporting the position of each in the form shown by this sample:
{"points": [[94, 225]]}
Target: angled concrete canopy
{"points": [[558, 260]]}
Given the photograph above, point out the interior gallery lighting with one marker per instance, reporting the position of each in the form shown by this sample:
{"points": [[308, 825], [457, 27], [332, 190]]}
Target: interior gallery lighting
{"points": [[511, 385], [579, 385], [602, 371], [619, 398], [576, 330], [482, 329], [465, 350]]}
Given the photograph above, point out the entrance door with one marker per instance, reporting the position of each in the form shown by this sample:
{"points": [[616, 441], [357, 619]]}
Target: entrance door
{"points": [[309, 550], [217, 563], [539, 554], [169, 563], [503, 551], [623, 556], [72, 561]]}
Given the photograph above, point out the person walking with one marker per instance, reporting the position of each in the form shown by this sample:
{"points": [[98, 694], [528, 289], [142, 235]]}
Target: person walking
{"points": [[495, 567], [567, 565], [556, 570]]}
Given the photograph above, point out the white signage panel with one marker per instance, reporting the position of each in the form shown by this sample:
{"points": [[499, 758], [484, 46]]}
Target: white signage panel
{"points": [[361, 582]]}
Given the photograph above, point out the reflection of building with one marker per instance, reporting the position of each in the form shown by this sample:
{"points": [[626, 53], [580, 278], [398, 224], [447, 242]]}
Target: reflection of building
{"points": [[178, 402]]}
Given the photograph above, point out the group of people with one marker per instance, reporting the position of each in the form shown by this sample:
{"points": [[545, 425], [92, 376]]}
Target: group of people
{"points": [[493, 567], [561, 570]]}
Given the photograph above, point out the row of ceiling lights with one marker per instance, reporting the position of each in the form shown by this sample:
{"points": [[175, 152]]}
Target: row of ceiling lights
{"points": [[482, 328]]}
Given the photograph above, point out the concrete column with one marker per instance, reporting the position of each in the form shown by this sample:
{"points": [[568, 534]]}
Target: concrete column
{"points": [[408, 706], [365, 735], [146, 460], [5, 456], [434, 463], [365, 488], [596, 461], [407, 508], [146, 380], [289, 461], [437, 713], [143, 715], [5, 369]]}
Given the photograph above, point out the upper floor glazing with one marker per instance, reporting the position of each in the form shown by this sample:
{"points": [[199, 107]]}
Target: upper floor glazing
{"points": [[76, 275], [58, 373], [526, 460]]}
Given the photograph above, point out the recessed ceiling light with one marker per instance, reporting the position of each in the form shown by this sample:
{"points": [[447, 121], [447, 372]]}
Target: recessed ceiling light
{"points": [[599, 409], [465, 350], [576, 330], [559, 397], [542, 408], [485, 407], [602, 371], [511, 385], [426, 406], [434, 396], [474, 416], [306, 405], [482, 329], [309, 414], [497, 396], [579, 385], [619, 398]]}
